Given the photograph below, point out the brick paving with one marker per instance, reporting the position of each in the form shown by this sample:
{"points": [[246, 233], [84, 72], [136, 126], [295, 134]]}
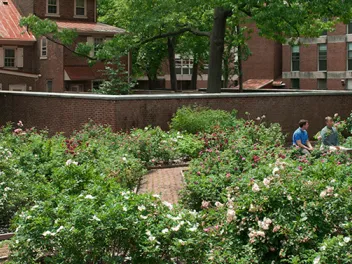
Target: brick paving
{"points": [[166, 182], [4, 252]]}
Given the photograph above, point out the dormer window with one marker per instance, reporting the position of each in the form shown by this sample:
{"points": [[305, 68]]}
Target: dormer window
{"points": [[52, 7], [80, 8]]}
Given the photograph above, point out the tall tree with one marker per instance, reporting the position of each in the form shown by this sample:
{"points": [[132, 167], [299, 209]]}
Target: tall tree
{"points": [[276, 19], [150, 20]]}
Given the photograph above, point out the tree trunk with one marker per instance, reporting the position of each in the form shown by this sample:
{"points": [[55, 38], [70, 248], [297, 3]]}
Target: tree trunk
{"points": [[172, 64], [217, 42], [194, 75], [226, 73], [152, 81], [239, 61]]}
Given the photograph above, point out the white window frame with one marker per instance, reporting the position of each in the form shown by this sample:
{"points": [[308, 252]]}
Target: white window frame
{"points": [[18, 87], [42, 47], [349, 84], [85, 10], [349, 44], [76, 87], [184, 64], [57, 14], [15, 58]]}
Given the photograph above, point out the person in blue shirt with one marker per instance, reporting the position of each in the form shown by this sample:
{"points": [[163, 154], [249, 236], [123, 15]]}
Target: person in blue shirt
{"points": [[300, 138]]}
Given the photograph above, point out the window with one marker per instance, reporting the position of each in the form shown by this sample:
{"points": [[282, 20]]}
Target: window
{"points": [[295, 83], [80, 8], [295, 58], [184, 66], [349, 84], [10, 58], [349, 57], [49, 86], [79, 87], [97, 44], [322, 84], [322, 57], [44, 48], [349, 28], [53, 7], [96, 84]]}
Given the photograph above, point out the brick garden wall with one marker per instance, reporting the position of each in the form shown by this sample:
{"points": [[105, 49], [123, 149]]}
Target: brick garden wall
{"points": [[67, 112]]}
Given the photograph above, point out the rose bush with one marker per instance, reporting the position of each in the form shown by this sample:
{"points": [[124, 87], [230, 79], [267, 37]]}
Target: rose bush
{"points": [[106, 224], [228, 154], [282, 213]]}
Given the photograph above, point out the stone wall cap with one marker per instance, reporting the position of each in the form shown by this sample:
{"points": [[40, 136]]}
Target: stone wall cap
{"points": [[176, 96]]}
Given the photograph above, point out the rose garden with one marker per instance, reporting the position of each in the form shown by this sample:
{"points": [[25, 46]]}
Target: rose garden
{"points": [[247, 197]]}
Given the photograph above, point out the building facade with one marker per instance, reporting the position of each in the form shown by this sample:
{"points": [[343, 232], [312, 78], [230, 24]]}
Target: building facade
{"points": [[262, 68], [323, 63], [30, 64]]}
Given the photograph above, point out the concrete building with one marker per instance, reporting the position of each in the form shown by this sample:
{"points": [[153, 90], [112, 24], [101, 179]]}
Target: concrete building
{"points": [[30, 64]]}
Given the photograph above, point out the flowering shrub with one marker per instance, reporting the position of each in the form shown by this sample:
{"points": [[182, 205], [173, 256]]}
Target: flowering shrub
{"points": [[282, 212], [349, 123], [228, 154], [255, 201], [153, 146], [200, 119], [105, 224], [150, 145]]}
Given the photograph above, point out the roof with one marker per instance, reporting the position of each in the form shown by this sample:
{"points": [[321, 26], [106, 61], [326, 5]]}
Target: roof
{"points": [[90, 27], [9, 23], [253, 84], [82, 73]]}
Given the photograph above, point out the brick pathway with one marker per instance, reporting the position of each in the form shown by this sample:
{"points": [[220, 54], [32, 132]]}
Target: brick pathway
{"points": [[167, 182], [4, 252]]}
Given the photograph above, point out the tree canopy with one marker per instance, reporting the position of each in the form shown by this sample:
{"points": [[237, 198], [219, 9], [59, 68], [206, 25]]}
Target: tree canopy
{"points": [[186, 26]]}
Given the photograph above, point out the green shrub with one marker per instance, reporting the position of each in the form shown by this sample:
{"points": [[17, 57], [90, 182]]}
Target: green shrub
{"points": [[106, 224], [257, 202], [280, 213], [200, 119]]}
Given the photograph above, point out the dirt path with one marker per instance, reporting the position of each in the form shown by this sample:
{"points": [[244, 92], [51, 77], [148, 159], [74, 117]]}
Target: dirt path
{"points": [[167, 182]]}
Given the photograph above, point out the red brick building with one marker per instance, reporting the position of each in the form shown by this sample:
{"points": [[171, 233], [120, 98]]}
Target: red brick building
{"points": [[323, 63], [320, 63], [261, 69], [30, 64]]}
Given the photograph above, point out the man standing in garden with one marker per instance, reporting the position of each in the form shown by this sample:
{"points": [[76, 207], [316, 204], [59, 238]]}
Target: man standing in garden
{"points": [[300, 138]]}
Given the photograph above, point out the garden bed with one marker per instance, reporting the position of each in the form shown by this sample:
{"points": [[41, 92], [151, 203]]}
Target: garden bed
{"points": [[245, 198]]}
